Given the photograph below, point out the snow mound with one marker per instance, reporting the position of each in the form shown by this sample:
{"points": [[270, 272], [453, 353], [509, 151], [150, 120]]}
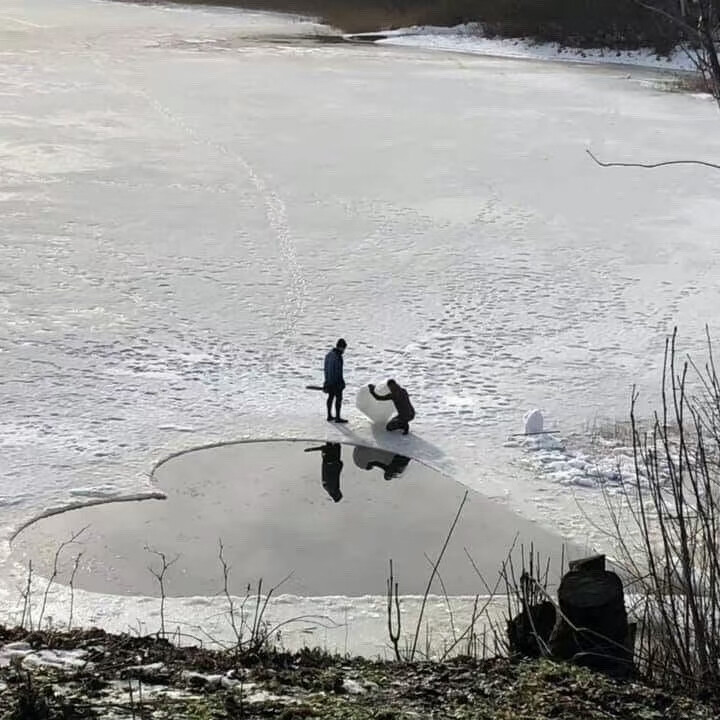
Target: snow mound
{"points": [[533, 422], [379, 411]]}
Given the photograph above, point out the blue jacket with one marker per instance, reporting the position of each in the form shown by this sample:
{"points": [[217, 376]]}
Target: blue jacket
{"points": [[334, 370]]}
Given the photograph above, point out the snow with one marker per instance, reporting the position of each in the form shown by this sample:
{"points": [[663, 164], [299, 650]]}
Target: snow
{"points": [[61, 659], [192, 214], [353, 687], [533, 422], [378, 411], [469, 39], [211, 681]]}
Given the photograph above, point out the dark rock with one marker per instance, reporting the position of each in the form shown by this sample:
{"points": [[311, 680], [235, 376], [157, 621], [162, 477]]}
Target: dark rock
{"points": [[593, 563], [592, 629], [525, 628]]}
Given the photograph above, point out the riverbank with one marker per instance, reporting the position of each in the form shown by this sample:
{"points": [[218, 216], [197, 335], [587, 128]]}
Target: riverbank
{"points": [[92, 674], [613, 24], [472, 37]]}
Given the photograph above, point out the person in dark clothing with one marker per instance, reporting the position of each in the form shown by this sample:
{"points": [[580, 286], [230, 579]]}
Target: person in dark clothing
{"points": [[394, 468], [401, 400], [392, 465], [332, 466], [334, 380]]}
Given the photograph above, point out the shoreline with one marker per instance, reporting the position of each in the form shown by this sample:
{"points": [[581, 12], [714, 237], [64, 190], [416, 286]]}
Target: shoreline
{"points": [[281, 513], [92, 674], [470, 38]]}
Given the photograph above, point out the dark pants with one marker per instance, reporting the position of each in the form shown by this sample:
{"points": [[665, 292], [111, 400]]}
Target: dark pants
{"points": [[398, 423], [334, 394], [332, 466]]}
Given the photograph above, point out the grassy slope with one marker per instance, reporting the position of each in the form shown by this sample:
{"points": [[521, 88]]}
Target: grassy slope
{"points": [[313, 685]]}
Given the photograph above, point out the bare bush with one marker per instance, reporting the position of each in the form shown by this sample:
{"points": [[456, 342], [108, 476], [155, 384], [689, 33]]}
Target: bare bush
{"points": [[393, 601], [159, 575], [394, 619], [483, 635], [667, 527], [56, 570], [697, 25]]}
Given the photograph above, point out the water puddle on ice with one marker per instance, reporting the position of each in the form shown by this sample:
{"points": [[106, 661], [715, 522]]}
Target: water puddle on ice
{"points": [[326, 516]]}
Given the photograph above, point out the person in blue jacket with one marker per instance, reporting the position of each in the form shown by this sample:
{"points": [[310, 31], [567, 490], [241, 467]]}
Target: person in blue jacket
{"points": [[334, 380]]}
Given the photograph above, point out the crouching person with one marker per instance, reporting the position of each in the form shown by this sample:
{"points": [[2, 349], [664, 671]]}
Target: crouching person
{"points": [[403, 406]]}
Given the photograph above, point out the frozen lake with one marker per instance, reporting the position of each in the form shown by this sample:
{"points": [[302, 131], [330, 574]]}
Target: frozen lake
{"points": [[197, 203], [319, 519]]}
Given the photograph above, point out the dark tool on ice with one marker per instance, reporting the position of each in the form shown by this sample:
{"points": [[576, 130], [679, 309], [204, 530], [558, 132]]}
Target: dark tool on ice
{"points": [[315, 387], [542, 432]]}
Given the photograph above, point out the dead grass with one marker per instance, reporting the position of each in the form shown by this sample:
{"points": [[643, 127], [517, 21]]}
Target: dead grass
{"points": [[687, 83]]}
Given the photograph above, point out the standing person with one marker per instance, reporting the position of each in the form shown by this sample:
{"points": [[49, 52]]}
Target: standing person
{"points": [[332, 466], [334, 380], [401, 400]]}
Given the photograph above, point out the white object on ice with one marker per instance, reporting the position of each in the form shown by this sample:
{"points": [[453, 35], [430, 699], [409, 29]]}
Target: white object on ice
{"points": [[379, 411], [533, 422]]}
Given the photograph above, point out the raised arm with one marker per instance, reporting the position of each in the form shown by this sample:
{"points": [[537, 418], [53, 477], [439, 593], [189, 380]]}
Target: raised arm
{"points": [[371, 388]]}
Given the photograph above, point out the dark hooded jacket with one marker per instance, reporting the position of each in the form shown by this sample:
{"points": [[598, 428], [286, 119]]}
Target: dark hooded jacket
{"points": [[334, 370], [401, 400]]}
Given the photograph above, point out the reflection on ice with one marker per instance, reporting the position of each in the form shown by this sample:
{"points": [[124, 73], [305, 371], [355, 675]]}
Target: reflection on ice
{"points": [[332, 466], [265, 502], [366, 458], [391, 464]]}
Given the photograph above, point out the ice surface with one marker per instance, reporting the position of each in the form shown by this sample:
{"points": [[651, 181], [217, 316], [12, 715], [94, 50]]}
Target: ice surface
{"points": [[191, 213], [269, 504], [379, 411]]}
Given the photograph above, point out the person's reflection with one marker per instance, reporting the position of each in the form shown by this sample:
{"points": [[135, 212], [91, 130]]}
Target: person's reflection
{"points": [[332, 466], [394, 468], [391, 464]]}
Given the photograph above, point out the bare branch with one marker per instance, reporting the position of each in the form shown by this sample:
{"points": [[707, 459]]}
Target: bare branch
{"points": [[159, 575], [434, 573], [679, 22], [393, 598], [56, 569], [72, 588], [652, 165]]}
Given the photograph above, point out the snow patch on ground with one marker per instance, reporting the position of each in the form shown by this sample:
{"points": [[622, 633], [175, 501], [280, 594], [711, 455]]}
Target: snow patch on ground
{"points": [[353, 687], [61, 659]]}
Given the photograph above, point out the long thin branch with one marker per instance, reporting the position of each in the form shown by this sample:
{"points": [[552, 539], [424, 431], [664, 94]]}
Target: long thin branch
{"points": [[652, 165], [434, 573], [447, 598], [56, 570]]}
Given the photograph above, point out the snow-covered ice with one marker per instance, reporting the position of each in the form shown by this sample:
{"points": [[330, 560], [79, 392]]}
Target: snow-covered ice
{"points": [[192, 215]]}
